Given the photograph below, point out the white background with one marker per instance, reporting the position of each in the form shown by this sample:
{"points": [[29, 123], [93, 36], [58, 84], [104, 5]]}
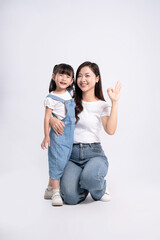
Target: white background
{"points": [[123, 38]]}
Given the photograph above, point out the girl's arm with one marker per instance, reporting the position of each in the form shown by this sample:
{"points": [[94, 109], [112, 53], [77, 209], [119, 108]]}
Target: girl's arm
{"points": [[110, 123], [46, 139]]}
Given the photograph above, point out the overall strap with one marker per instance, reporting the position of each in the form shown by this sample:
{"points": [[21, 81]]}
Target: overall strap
{"points": [[56, 98], [69, 93]]}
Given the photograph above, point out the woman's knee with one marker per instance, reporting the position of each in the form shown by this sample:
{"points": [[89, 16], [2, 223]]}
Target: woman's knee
{"points": [[93, 175], [73, 194], [88, 181], [69, 197]]}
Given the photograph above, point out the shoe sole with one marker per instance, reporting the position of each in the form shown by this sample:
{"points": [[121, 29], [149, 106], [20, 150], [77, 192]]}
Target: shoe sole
{"points": [[105, 200], [57, 204], [47, 197]]}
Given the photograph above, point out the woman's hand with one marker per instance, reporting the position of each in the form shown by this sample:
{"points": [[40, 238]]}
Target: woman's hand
{"points": [[57, 125], [114, 94], [44, 143]]}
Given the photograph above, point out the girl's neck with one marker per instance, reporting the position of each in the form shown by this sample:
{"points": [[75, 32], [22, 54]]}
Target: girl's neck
{"points": [[89, 96], [60, 91]]}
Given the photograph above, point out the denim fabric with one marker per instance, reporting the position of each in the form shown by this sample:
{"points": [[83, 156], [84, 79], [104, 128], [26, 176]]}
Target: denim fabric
{"points": [[61, 146], [84, 173]]}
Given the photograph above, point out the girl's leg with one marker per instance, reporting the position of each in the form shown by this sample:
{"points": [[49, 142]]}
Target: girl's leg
{"points": [[54, 183], [70, 187], [92, 176], [49, 183]]}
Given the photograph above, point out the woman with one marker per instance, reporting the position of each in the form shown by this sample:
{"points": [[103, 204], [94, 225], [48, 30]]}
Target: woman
{"points": [[88, 165]]}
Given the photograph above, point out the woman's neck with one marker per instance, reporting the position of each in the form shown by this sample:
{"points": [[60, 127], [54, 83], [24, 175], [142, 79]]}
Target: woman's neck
{"points": [[89, 97]]}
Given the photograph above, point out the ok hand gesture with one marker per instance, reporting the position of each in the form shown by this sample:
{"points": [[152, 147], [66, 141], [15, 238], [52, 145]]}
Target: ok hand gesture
{"points": [[114, 94]]}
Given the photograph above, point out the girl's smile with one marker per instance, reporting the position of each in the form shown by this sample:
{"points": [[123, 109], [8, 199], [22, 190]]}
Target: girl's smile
{"points": [[63, 83]]}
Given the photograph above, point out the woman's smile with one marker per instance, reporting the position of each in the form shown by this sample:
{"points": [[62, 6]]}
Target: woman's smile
{"points": [[83, 84]]}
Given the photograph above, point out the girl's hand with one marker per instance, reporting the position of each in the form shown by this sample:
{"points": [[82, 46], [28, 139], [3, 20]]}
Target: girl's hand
{"points": [[114, 94], [57, 125], [44, 143]]}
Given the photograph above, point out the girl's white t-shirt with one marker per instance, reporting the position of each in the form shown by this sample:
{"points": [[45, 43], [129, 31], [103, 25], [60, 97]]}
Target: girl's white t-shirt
{"points": [[58, 107], [89, 125]]}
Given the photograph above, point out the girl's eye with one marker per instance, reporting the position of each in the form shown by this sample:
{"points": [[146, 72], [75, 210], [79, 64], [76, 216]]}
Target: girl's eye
{"points": [[79, 76], [87, 75]]}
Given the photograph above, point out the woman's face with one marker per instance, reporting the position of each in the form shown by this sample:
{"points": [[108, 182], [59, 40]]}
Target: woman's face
{"points": [[86, 79]]}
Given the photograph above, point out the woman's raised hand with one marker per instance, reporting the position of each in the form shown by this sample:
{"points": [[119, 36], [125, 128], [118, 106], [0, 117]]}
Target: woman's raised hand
{"points": [[114, 94], [57, 125]]}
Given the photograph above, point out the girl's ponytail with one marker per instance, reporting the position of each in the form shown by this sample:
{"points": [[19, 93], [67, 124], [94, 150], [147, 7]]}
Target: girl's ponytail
{"points": [[52, 85]]}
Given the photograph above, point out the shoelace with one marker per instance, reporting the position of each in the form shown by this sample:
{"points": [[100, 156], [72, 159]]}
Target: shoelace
{"points": [[107, 193], [56, 194]]}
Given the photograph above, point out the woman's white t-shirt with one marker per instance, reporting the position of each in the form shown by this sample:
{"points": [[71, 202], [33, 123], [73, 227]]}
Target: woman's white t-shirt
{"points": [[89, 125], [58, 107]]}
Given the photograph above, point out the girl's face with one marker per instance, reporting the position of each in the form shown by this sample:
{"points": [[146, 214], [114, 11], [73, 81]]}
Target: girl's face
{"points": [[62, 81], [86, 79]]}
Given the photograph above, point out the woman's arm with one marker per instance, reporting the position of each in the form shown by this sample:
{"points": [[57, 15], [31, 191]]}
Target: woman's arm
{"points": [[57, 125], [47, 117], [110, 122]]}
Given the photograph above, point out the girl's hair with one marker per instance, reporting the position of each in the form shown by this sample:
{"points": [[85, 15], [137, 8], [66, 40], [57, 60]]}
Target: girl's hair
{"points": [[78, 92], [61, 69]]}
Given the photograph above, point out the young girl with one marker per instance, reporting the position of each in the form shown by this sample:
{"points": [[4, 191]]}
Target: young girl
{"points": [[88, 165], [60, 104]]}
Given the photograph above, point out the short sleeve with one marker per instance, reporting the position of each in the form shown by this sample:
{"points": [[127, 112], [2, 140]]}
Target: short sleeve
{"points": [[49, 102], [106, 110]]}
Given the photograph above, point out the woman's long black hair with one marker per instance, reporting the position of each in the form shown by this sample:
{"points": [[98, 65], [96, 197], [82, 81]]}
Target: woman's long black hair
{"points": [[78, 92], [62, 69]]}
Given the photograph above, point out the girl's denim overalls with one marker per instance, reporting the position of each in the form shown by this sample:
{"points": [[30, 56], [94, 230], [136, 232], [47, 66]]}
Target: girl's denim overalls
{"points": [[61, 146]]}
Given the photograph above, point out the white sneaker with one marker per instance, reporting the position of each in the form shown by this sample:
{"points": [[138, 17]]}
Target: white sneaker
{"points": [[56, 198], [48, 193], [106, 197]]}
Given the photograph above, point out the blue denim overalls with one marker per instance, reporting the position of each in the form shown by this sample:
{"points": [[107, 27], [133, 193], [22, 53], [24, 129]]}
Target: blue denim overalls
{"points": [[61, 146]]}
